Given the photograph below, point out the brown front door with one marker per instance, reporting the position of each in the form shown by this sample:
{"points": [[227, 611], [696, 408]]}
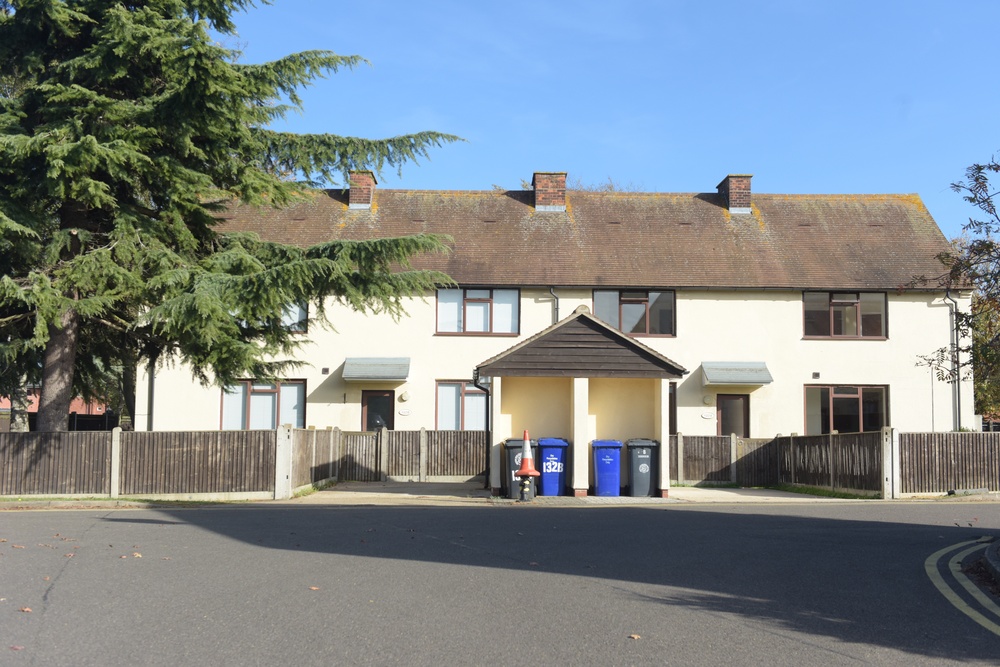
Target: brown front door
{"points": [[733, 414], [377, 409]]}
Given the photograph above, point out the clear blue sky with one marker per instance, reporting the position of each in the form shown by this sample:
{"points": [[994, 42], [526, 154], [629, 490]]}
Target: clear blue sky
{"points": [[839, 96]]}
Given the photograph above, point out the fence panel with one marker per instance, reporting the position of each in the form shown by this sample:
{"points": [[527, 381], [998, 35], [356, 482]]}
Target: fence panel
{"points": [[857, 461], [55, 463], [457, 453], [359, 457], [404, 454], [180, 462], [707, 458], [941, 462], [809, 460], [756, 461]]}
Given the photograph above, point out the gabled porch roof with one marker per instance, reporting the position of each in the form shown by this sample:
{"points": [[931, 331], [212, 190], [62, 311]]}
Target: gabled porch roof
{"points": [[580, 346]]}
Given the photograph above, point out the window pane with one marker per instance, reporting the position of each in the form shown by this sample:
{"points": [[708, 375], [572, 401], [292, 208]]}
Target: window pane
{"points": [[477, 315], [873, 408], [846, 418], [234, 407], [845, 319], [475, 411], [449, 407], [606, 307], [262, 410], [449, 310], [633, 318], [661, 313], [817, 410], [293, 404], [477, 294], [817, 313], [294, 317], [873, 315], [505, 311]]}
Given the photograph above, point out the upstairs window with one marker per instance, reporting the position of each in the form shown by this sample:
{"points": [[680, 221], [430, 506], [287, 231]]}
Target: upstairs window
{"points": [[295, 317], [262, 405], [844, 314], [637, 312], [478, 311]]}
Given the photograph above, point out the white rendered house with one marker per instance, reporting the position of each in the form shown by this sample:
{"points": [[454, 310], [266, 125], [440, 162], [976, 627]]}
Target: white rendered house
{"points": [[607, 315]]}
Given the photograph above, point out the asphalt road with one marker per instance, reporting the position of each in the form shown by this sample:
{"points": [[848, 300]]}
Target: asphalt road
{"points": [[810, 584]]}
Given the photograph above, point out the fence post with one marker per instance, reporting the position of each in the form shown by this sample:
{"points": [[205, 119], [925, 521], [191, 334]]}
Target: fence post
{"points": [[312, 469], [116, 461], [283, 462], [338, 449], [680, 458], [732, 458], [329, 452], [791, 456], [383, 453], [833, 471], [422, 456], [891, 474]]}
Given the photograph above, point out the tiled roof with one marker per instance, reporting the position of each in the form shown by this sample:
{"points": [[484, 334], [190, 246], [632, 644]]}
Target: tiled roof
{"points": [[619, 239]]}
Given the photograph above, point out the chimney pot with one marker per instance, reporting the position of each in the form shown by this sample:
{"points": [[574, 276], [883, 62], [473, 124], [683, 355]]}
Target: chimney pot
{"points": [[550, 190], [735, 191], [362, 189]]}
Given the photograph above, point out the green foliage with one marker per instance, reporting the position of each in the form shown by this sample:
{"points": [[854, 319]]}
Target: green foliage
{"points": [[125, 130], [975, 261]]}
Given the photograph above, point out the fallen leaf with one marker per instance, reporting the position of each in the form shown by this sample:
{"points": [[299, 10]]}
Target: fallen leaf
{"points": [[533, 564], [314, 588], [18, 546], [46, 578], [136, 555], [69, 555], [26, 610], [2, 540], [165, 558], [16, 648], [123, 557], [634, 636]]}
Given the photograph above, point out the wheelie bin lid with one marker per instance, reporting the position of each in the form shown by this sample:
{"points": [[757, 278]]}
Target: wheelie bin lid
{"points": [[552, 442], [607, 444], [641, 442]]}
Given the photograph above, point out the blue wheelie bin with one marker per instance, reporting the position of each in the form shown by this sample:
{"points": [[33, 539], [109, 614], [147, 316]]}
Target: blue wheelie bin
{"points": [[552, 466], [607, 467]]}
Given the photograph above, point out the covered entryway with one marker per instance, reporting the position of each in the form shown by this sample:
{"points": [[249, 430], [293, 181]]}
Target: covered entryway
{"points": [[580, 380]]}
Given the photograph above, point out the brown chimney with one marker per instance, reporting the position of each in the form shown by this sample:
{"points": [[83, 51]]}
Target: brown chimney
{"points": [[362, 191], [550, 190], [735, 191]]}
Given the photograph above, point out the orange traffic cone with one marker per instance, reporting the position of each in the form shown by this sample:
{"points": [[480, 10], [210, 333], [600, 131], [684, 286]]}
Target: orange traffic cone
{"points": [[527, 460], [527, 469]]}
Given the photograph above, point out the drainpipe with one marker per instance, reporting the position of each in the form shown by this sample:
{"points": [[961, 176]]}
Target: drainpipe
{"points": [[552, 291], [151, 374], [956, 371], [489, 413]]}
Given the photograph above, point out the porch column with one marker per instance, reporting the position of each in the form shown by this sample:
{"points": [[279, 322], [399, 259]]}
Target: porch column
{"points": [[580, 425], [496, 455], [663, 427]]}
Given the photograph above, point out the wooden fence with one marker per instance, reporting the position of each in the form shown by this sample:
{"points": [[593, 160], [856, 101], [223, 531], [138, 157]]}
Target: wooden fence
{"points": [[886, 462], [227, 465]]}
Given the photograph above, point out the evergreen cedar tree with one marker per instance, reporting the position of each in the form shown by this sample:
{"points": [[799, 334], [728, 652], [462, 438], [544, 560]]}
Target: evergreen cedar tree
{"points": [[124, 131]]}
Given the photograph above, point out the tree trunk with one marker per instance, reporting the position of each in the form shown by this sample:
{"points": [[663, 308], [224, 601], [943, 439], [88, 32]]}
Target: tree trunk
{"points": [[58, 365], [19, 408]]}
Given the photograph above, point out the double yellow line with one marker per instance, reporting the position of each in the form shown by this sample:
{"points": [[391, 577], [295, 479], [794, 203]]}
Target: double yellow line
{"points": [[932, 567]]}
